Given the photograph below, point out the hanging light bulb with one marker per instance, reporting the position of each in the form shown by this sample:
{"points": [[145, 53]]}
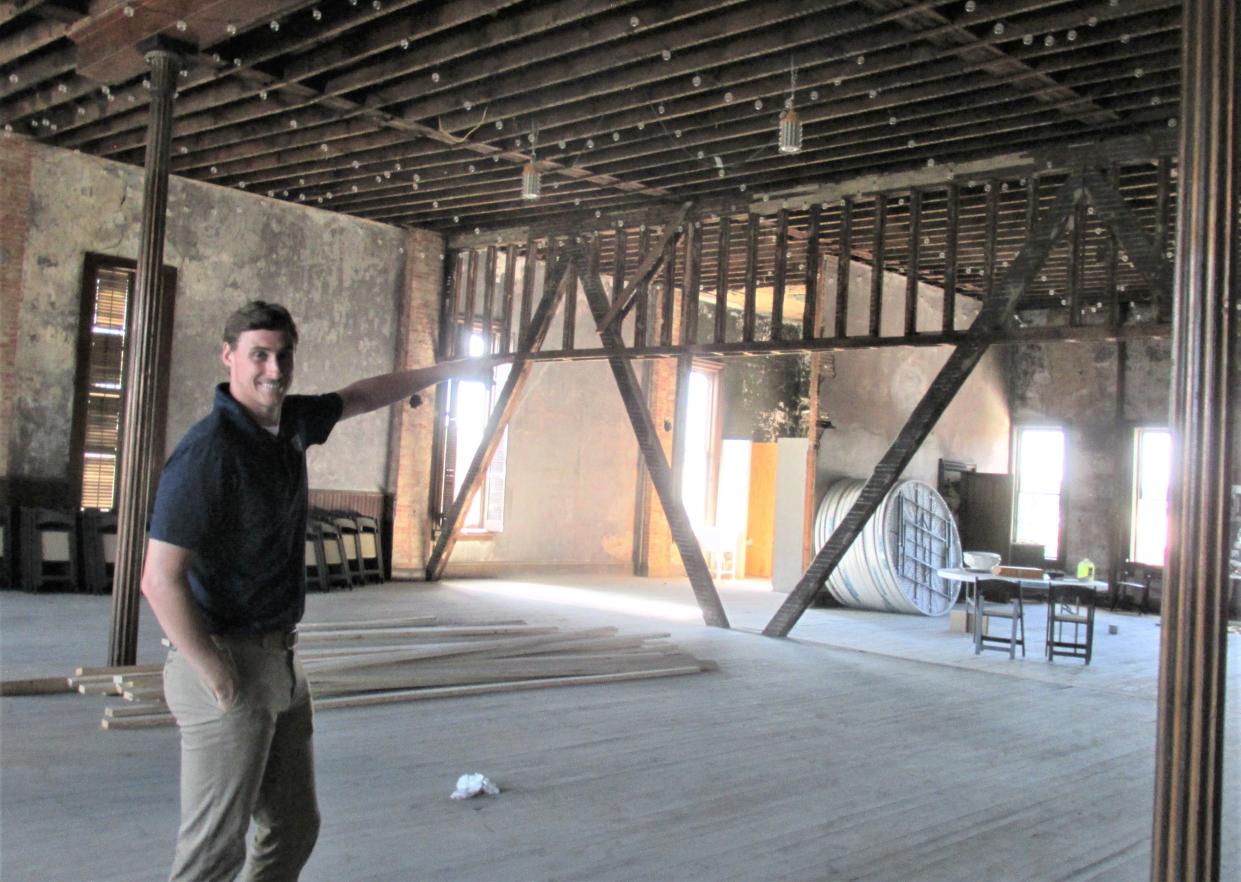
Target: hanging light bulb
{"points": [[790, 122], [531, 180]]}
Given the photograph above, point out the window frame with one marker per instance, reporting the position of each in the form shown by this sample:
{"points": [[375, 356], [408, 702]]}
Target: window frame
{"points": [[1063, 508], [1135, 466], [714, 369], [446, 454], [91, 265]]}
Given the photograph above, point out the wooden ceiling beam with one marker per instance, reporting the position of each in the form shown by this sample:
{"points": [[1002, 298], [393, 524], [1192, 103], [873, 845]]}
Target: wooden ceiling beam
{"points": [[496, 34], [916, 97], [471, 77], [991, 58], [30, 39], [22, 74], [887, 66], [526, 92]]}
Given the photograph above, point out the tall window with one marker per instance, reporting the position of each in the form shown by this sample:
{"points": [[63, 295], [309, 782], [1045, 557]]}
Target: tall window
{"points": [[700, 468], [1040, 478], [1152, 465], [469, 408], [107, 285], [104, 372]]}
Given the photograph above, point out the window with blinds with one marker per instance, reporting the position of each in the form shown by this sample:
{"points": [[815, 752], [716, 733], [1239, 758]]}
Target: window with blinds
{"points": [[105, 370]]}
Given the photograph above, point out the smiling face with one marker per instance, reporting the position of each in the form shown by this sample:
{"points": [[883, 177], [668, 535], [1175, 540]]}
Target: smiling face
{"points": [[260, 371]]}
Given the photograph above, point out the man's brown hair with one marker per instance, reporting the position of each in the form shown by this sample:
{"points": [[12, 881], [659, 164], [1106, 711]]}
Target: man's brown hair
{"points": [[259, 315]]}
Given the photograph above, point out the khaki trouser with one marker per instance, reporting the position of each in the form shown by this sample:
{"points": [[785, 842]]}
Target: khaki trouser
{"points": [[255, 760]]}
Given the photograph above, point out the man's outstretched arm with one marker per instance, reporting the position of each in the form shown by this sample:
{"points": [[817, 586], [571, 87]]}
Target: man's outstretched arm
{"points": [[380, 391]]}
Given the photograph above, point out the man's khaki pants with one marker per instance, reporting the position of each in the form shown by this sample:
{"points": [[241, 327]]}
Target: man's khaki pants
{"points": [[255, 760]]}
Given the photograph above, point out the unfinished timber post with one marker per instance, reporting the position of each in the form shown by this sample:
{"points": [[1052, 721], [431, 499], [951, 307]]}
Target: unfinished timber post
{"points": [[133, 492], [948, 381], [506, 404], [652, 452], [1189, 746]]}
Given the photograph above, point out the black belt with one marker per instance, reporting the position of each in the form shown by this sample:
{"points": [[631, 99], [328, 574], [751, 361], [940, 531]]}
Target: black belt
{"points": [[267, 639]]}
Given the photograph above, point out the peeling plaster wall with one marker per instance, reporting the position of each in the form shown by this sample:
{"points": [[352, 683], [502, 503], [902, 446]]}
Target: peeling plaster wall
{"points": [[341, 278], [869, 393]]}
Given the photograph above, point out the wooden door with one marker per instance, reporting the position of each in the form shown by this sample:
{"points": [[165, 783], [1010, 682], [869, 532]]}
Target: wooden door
{"points": [[760, 523], [986, 512]]}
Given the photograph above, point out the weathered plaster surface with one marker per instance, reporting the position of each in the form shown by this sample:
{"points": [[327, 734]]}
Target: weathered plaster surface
{"points": [[869, 394], [1075, 385], [340, 277]]}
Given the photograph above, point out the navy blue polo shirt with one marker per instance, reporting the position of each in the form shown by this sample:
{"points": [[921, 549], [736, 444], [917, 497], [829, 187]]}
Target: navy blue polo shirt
{"points": [[235, 495]]}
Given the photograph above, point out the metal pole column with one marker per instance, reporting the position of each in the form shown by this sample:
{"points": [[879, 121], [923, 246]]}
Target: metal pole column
{"points": [[1189, 751], [141, 336]]}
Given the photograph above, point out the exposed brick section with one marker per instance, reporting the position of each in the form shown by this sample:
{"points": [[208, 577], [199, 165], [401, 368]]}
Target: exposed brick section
{"points": [[15, 162], [412, 430]]}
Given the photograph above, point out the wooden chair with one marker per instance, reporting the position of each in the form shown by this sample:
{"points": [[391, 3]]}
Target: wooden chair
{"points": [[98, 549], [1135, 585], [1070, 621], [347, 526], [370, 546], [332, 547], [997, 599], [49, 550]]}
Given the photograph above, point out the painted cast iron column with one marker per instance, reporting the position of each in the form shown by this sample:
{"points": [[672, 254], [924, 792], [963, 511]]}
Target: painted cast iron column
{"points": [[1189, 761], [133, 492]]}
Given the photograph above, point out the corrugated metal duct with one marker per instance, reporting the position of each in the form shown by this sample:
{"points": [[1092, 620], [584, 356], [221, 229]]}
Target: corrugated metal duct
{"points": [[892, 564]]}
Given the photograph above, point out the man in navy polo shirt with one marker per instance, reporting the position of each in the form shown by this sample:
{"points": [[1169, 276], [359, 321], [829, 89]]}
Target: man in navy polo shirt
{"points": [[225, 575]]}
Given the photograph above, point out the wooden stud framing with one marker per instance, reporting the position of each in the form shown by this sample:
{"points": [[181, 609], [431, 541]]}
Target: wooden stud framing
{"points": [[1076, 259], [751, 278], [641, 294], [489, 297], [692, 283], [950, 259], [812, 313], [844, 267], [527, 286], [781, 270], [646, 269], [506, 307], [568, 324], [877, 261], [667, 293], [721, 279], [911, 270]]}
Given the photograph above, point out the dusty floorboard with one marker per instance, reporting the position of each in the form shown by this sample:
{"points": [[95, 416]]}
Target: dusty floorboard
{"points": [[797, 760]]}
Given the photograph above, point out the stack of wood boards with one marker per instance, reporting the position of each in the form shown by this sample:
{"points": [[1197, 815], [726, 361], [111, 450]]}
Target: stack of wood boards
{"points": [[353, 664]]}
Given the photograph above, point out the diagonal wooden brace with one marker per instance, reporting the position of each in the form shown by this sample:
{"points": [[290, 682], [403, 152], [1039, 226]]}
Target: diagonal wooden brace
{"points": [[652, 451], [506, 404], [645, 272], [992, 316]]}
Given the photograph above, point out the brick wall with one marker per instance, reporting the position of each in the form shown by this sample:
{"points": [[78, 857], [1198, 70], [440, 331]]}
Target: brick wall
{"points": [[409, 470], [15, 159]]}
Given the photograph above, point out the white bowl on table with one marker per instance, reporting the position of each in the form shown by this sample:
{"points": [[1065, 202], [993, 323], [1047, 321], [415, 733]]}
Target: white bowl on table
{"points": [[981, 561]]}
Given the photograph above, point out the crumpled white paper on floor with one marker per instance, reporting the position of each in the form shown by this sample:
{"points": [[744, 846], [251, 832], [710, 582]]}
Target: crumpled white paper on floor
{"points": [[474, 784]]}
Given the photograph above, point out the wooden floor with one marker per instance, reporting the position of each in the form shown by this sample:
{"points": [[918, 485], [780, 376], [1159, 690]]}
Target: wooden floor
{"points": [[868, 746]]}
